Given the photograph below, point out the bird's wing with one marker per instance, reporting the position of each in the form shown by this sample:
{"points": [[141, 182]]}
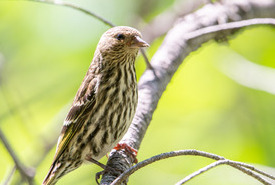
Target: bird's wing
{"points": [[78, 114], [80, 111]]}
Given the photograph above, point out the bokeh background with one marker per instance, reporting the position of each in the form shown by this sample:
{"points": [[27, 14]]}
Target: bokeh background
{"points": [[221, 100]]}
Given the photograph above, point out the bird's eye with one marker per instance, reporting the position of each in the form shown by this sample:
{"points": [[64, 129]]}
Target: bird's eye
{"points": [[120, 37]]}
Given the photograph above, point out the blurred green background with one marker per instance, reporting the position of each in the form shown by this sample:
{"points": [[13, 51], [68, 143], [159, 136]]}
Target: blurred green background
{"points": [[45, 51]]}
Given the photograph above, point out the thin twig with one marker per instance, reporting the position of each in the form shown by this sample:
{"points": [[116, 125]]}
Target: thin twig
{"points": [[251, 173], [233, 164], [26, 173], [230, 26], [149, 66], [153, 159], [9, 177], [245, 168], [200, 171], [252, 168], [76, 7]]}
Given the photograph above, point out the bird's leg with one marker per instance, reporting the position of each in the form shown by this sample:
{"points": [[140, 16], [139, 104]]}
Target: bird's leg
{"points": [[88, 158], [98, 174], [129, 150], [120, 146], [105, 168]]}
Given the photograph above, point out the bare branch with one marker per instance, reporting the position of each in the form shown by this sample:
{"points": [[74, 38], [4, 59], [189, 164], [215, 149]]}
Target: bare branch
{"points": [[202, 170], [248, 169], [151, 160], [179, 42], [254, 169], [250, 173], [9, 177], [237, 165], [76, 7], [230, 27], [26, 173]]}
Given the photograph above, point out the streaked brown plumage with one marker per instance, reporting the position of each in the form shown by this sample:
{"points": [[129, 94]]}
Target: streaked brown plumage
{"points": [[104, 105]]}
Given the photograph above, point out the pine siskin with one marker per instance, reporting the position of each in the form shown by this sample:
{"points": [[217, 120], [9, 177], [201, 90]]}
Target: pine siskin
{"points": [[104, 105]]}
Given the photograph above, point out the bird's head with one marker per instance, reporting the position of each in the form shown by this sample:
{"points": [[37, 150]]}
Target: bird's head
{"points": [[121, 39]]}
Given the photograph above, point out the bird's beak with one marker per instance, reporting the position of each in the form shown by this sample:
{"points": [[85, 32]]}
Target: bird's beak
{"points": [[137, 42]]}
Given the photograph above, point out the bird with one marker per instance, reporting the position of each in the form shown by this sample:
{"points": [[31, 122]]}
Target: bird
{"points": [[104, 105]]}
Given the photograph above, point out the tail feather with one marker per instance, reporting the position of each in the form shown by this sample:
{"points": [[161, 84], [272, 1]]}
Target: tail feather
{"points": [[58, 170], [51, 177]]}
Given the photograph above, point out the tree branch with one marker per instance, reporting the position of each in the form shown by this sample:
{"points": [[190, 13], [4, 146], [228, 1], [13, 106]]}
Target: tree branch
{"points": [[220, 162], [162, 156], [248, 169], [9, 176], [26, 173], [179, 42], [76, 7]]}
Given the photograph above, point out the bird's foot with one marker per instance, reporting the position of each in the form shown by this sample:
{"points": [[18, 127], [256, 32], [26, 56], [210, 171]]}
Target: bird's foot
{"points": [[129, 150], [107, 169]]}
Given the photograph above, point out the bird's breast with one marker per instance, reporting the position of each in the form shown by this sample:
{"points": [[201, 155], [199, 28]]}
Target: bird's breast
{"points": [[116, 101]]}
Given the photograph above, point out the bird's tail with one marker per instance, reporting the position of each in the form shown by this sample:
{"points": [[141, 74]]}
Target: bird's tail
{"points": [[59, 169], [51, 177]]}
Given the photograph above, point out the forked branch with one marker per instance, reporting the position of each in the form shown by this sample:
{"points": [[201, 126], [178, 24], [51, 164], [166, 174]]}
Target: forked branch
{"points": [[187, 35], [245, 168]]}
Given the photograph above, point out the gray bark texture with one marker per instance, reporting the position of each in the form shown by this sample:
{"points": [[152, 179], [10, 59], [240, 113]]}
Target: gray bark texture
{"points": [[184, 37]]}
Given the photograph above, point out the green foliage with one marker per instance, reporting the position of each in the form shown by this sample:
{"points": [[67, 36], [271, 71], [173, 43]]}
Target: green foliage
{"points": [[45, 51]]}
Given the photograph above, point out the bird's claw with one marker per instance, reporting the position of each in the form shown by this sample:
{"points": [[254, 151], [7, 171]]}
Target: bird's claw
{"points": [[107, 169], [129, 150]]}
